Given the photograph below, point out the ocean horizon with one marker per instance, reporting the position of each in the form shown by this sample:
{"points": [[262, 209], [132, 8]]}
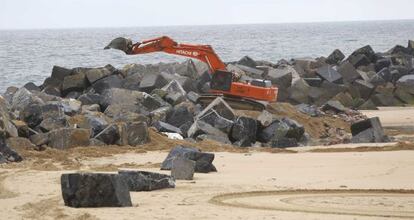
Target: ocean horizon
{"points": [[29, 55]]}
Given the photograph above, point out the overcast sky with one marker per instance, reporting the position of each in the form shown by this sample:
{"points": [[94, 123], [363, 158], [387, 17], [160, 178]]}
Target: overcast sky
{"points": [[33, 14]]}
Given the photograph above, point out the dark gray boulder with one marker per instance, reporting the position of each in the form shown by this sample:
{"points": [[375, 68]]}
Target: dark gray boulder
{"points": [[110, 135], [183, 168], [6, 153], [90, 98], [220, 139], [200, 127], [315, 82], [368, 130], [364, 88], [109, 82], [278, 129], [153, 102], [299, 92], [366, 51], [95, 74], [75, 82], [68, 138], [137, 133], [32, 115], [60, 73], [381, 78], [204, 161], [165, 127], [247, 61], [244, 129], [146, 181], [49, 124], [359, 60], [335, 57], [22, 98], [31, 87], [330, 74], [348, 72], [151, 81], [296, 130], [94, 190], [382, 63], [124, 97], [179, 115]]}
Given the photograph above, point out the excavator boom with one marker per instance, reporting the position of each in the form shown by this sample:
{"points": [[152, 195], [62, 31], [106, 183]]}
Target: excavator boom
{"points": [[221, 79]]}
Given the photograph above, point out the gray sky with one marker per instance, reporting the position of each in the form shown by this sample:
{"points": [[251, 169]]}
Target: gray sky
{"points": [[33, 14]]}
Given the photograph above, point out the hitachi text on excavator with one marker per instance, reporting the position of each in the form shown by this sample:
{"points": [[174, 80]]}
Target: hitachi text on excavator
{"points": [[252, 95]]}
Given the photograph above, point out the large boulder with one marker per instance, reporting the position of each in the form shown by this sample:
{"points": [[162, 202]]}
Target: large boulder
{"points": [[200, 127], [137, 133], [6, 125], [335, 57], [407, 83], [151, 81], [146, 181], [247, 61], [183, 168], [244, 131], [68, 138], [204, 161], [23, 98], [116, 96], [367, 131], [94, 190], [296, 130], [328, 73], [366, 51], [109, 82], [95, 74], [348, 72], [75, 82], [165, 127], [276, 130], [110, 135], [6, 153], [299, 92], [179, 115], [221, 107]]}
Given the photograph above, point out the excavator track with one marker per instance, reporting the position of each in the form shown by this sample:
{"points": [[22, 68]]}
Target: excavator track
{"points": [[234, 102]]}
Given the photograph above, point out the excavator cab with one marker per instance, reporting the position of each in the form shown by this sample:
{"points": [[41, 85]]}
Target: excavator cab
{"points": [[221, 80]]}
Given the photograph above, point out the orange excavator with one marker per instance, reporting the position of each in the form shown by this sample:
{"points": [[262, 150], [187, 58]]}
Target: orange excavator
{"points": [[255, 93]]}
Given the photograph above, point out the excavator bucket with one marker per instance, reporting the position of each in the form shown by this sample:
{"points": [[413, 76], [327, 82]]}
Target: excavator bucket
{"points": [[120, 43]]}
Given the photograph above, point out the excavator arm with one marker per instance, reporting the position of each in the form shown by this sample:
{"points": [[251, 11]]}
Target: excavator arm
{"points": [[204, 53]]}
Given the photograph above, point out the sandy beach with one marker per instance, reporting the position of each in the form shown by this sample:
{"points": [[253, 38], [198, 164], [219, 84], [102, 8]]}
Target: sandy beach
{"points": [[249, 184]]}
